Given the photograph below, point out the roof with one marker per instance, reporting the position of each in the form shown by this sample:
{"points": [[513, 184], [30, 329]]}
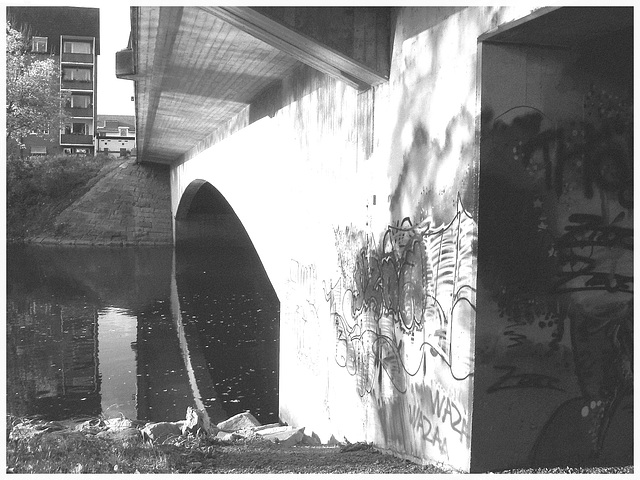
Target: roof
{"points": [[110, 123]]}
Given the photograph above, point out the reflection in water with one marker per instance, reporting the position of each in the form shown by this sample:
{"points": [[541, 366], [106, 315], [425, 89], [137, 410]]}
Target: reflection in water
{"points": [[130, 331], [237, 315], [118, 379]]}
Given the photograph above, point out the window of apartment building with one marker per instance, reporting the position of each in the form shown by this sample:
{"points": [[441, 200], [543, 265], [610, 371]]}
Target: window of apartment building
{"points": [[76, 74], [44, 131], [76, 129], [39, 44], [76, 47], [80, 101], [38, 150], [124, 131]]}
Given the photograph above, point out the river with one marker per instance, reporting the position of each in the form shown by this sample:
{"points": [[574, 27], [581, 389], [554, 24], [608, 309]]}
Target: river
{"points": [[140, 332]]}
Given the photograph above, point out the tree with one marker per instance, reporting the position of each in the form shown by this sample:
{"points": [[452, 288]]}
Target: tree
{"points": [[34, 100]]}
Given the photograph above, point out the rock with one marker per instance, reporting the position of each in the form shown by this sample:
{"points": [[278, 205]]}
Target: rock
{"points": [[312, 440], [285, 436], [240, 421], [89, 426], [160, 431], [130, 435], [195, 421], [116, 424], [263, 427], [227, 436]]}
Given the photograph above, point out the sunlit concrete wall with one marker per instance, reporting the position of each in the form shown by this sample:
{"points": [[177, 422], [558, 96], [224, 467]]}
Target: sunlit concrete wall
{"points": [[554, 361], [363, 210]]}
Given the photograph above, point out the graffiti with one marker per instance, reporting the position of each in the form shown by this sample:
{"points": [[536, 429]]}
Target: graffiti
{"points": [[304, 276], [302, 284], [301, 297], [523, 311], [422, 424], [592, 236], [522, 380], [407, 298], [442, 407], [426, 419], [570, 271]]}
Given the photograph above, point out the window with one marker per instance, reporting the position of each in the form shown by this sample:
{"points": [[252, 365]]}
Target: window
{"points": [[44, 131], [67, 150], [38, 150], [76, 47], [75, 129], [80, 101], [124, 131], [39, 44], [76, 74]]}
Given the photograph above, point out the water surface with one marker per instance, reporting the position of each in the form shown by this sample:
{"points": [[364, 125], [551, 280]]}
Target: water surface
{"points": [[140, 332]]}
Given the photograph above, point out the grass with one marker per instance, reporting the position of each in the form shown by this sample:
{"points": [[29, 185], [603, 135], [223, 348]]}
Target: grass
{"points": [[76, 446], [39, 188], [35, 446]]}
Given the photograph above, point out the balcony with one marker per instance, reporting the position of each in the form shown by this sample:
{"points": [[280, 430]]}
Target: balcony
{"points": [[75, 139], [77, 57], [80, 112], [77, 85]]}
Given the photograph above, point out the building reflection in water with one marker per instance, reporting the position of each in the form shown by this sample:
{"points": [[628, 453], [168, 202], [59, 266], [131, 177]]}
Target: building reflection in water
{"points": [[52, 359], [116, 337], [112, 332]]}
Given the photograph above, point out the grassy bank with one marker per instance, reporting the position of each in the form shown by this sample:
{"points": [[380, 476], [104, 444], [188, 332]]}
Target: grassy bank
{"points": [[86, 446], [39, 188], [80, 446]]}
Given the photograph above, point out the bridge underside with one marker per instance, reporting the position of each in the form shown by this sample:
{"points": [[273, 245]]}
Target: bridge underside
{"points": [[441, 198], [198, 67]]}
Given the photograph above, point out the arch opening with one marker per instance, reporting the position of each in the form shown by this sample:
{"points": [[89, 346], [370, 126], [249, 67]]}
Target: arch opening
{"points": [[204, 214], [228, 304]]}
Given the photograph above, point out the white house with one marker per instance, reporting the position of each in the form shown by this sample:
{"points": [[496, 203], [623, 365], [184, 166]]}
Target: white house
{"points": [[116, 133]]}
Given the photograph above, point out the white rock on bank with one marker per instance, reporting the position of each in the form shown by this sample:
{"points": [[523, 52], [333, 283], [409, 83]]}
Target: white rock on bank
{"points": [[197, 420], [286, 436], [116, 424], [240, 421]]}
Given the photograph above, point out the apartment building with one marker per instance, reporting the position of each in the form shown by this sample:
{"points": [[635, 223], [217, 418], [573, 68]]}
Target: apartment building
{"points": [[72, 36]]}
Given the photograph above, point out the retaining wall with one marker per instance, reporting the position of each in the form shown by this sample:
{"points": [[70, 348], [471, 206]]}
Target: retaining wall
{"points": [[131, 205]]}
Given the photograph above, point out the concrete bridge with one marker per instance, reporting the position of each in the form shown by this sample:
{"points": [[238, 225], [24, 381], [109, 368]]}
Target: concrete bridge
{"points": [[442, 200]]}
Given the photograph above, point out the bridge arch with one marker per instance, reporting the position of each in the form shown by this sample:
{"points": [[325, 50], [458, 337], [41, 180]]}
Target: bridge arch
{"points": [[237, 310], [204, 214]]}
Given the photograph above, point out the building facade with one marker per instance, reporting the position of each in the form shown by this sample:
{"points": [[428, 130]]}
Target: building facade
{"points": [[116, 134], [72, 36]]}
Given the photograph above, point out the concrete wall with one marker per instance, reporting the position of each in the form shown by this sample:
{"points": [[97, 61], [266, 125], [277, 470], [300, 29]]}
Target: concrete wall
{"points": [[364, 211], [554, 345]]}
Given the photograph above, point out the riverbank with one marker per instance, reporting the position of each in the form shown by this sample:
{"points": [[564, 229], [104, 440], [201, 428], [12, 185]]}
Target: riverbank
{"points": [[95, 446], [81, 446], [87, 201]]}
